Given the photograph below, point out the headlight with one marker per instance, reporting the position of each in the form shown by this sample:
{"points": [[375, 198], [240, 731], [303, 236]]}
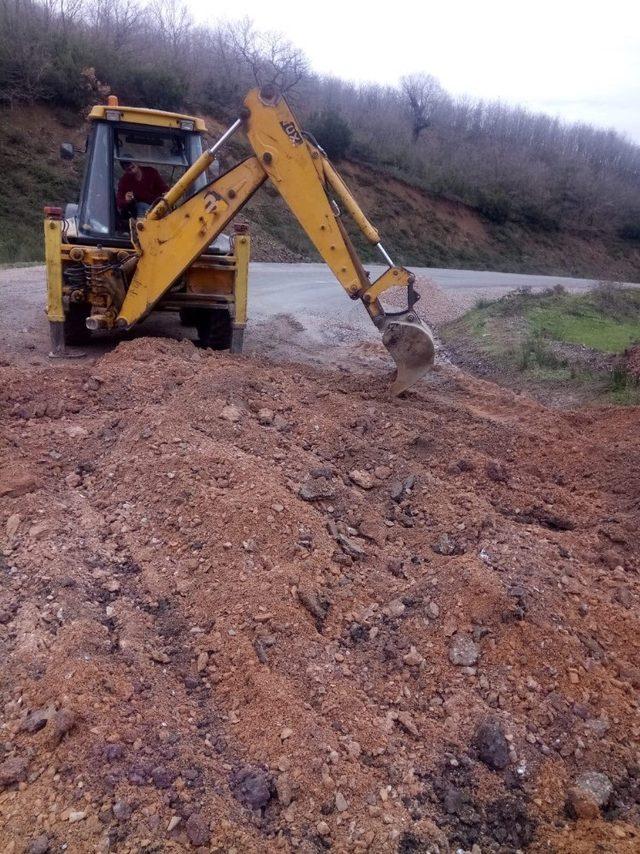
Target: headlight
{"points": [[186, 124]]}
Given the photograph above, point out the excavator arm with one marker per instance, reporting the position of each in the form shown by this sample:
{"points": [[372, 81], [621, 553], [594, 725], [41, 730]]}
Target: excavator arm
{"points": [[169, 238]]}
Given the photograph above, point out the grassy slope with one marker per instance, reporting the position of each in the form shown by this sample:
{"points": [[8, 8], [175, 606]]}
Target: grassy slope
{"points": [[418, 228], [554, 340], [33, 175], [577, 320]]}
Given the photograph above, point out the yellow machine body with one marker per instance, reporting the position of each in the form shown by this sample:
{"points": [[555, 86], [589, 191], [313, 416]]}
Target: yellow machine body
{"points": [[88, 280], [165, 263]]}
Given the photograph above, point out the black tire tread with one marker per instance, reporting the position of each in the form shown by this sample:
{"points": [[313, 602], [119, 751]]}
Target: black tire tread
{"points": [[214, 329]]}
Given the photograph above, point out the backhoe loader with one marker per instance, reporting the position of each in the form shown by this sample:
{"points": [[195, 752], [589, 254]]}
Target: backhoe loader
{"points": [[113, 259]]}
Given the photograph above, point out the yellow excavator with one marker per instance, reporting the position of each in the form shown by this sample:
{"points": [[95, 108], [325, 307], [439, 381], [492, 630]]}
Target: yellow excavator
{"points": [[113, 258]]}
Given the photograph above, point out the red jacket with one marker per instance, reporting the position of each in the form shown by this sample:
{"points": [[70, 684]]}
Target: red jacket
{"points": [[149, 188]]}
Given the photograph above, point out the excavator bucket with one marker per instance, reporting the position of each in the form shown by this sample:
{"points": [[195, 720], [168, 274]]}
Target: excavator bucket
{"points": [[411, 346]]}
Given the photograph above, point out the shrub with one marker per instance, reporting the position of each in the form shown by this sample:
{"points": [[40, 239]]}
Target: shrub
{"points": [[537, 216], [535, 351], [221, 97], [147, 86], [630, 231], [556, 290], [611, 299], [483, 302], [359, 150], [495, 205], [332, 132], [621, 379], [63, 82]]}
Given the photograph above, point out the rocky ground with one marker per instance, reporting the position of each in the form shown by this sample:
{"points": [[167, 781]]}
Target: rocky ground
{"points": [[250, 607]]}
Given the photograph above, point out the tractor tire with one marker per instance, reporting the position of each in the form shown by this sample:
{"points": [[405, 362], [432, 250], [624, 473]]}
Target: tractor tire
{"points": [[75, 331], [189, 316], [214, 329]]}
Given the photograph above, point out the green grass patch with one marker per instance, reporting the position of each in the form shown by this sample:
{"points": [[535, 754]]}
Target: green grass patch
{"points": [[31, 179], [556, 339], [606, 319], [607, 324]]}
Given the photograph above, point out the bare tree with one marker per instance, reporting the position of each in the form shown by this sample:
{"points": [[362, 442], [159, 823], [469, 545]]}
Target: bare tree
{"points": [[63, 14], [423, 94], [270, 56], [116, 22], [173, 24]]}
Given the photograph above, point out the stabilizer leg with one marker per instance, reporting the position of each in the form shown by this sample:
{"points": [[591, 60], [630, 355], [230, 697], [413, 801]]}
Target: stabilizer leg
{"points": [[58, 346]]}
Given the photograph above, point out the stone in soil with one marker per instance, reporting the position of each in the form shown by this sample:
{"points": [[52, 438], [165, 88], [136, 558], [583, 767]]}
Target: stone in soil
{"points": [[589, 794], [197, 830], [463, 651], [122, 810], [444, 545], [350, 546], [36, 720], [13, 770], [315, 602], [62, 722], [13, 486], [12, 525], [265, 417], [363, 479], [40, 845], [231, 413], [252, 786], [491, 744], [317, 489], [341, 802]]}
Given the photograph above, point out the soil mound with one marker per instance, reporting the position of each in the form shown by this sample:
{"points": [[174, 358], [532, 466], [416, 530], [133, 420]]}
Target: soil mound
{"points": [[247, 607]]}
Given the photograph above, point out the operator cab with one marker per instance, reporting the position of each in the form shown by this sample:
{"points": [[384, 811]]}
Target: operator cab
{"points": [[130, 149]]}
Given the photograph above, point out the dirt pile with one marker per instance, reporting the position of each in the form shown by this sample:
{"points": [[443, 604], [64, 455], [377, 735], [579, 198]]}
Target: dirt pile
{"points": [[248, 607]]}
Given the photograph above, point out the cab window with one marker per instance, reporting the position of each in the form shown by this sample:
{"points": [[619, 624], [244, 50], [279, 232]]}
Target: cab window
{"points": [[146, 163], [95, 213], [128, 169]]}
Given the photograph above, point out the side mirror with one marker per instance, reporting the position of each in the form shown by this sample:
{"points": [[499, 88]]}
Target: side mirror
{"points": [[67, 151]]}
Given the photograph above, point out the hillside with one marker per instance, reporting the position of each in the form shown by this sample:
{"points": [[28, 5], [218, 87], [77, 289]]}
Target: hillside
{"points": [[419, 228]]}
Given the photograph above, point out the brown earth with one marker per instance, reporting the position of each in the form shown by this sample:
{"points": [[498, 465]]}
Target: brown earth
{"points": [[424, 229], [249, 607]]}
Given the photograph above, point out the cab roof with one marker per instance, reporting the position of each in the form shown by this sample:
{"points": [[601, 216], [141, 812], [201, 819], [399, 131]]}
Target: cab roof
{"points": [[142, 116]]}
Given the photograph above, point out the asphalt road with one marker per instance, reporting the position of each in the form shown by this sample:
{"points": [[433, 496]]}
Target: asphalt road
{"points": [[291, 306], [294, 287]]}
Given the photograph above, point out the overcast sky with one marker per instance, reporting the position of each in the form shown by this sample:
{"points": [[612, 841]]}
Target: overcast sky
{"points": [[577, 60]]}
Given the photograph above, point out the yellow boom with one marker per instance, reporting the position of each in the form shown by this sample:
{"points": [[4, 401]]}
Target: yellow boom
{"points": [[170, 237]]}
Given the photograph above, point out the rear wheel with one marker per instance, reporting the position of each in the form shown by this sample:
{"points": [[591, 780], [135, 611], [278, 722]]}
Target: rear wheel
{"points": [[75, 330], [188, 316], [214, 328]]}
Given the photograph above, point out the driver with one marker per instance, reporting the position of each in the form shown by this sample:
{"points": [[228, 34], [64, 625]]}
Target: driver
{"points": [[138, 188]]}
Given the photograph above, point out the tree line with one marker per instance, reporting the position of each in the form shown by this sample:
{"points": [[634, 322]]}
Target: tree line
{"points": [[507, 162]]}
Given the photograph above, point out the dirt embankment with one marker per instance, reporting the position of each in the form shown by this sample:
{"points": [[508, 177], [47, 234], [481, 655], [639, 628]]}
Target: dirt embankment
{"points": [[247, 607], [422, 229]]}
